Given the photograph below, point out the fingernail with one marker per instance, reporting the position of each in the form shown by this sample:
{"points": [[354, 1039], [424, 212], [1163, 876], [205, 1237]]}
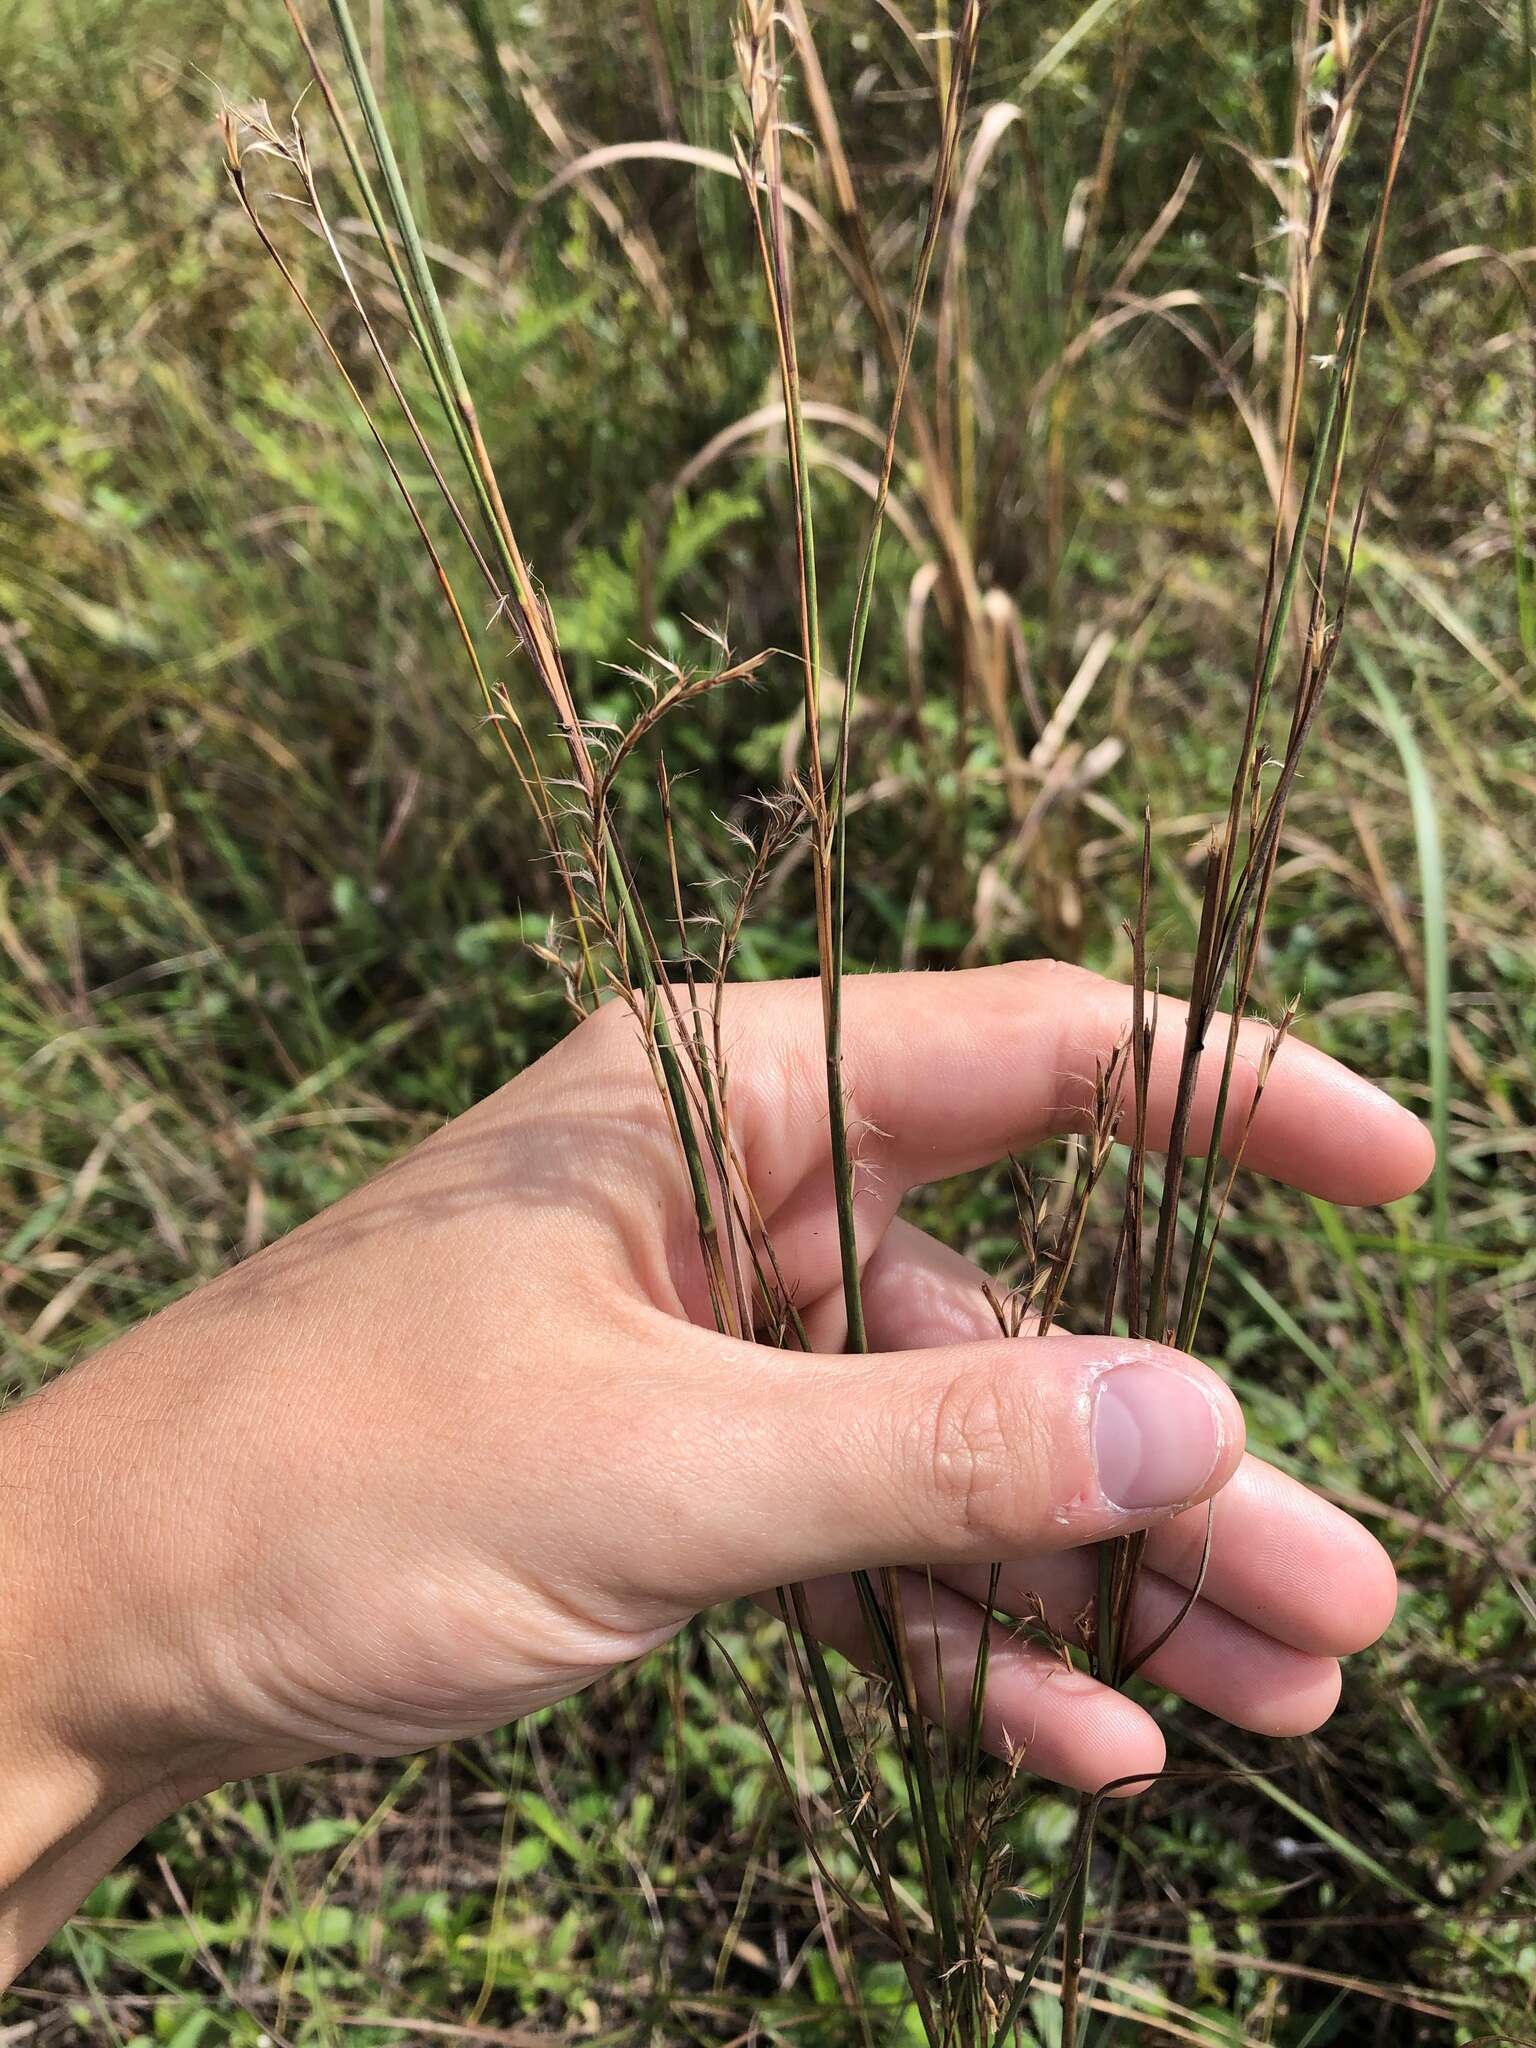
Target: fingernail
{"points": [[1156, 1436]]}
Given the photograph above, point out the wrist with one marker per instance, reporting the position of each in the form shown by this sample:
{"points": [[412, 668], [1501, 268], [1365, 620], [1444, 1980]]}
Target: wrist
{"points": [[102, 1731], [68, 1819]]}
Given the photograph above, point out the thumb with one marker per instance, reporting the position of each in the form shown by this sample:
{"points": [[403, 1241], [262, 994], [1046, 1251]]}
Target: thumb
{"points": [[966, 1454]]}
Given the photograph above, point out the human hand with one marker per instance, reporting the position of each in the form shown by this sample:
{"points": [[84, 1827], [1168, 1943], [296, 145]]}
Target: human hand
{"points": [[460, 1444]]}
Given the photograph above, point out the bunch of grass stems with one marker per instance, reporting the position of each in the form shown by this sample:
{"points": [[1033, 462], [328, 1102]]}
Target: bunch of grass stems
{"points": [[921, 1868]]}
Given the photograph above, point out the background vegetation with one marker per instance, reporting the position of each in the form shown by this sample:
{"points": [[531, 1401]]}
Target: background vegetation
{"points": [[266, 897]]}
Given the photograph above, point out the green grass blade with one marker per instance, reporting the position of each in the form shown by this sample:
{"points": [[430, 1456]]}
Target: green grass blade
{"points": [[1424, 806]]}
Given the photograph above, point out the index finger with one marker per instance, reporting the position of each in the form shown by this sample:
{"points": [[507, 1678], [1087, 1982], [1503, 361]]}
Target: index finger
{"points": [[948, 1072]]}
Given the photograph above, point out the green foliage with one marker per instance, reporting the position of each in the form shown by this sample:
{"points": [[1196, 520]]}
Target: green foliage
{"points": [[266, 901]]}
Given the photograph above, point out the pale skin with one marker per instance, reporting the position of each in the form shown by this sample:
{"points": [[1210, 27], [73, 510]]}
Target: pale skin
{"points": [[466, 1441]]}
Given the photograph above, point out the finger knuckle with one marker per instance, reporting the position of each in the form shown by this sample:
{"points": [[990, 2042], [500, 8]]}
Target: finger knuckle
{"points": [[1051, 973], [609, 1045], [611, 1028], [977, 1427]]}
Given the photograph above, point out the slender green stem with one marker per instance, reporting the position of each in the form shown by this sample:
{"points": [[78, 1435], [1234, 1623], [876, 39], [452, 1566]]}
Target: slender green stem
{"points": [[1075, 1924], [1437, 977]]}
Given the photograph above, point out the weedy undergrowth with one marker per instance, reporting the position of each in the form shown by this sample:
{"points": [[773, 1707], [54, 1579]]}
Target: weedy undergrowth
{"points": [[908, 1844]]}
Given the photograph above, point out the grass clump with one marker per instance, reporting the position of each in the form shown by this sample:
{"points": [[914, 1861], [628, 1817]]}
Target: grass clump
{"points": [[993, 724]]}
